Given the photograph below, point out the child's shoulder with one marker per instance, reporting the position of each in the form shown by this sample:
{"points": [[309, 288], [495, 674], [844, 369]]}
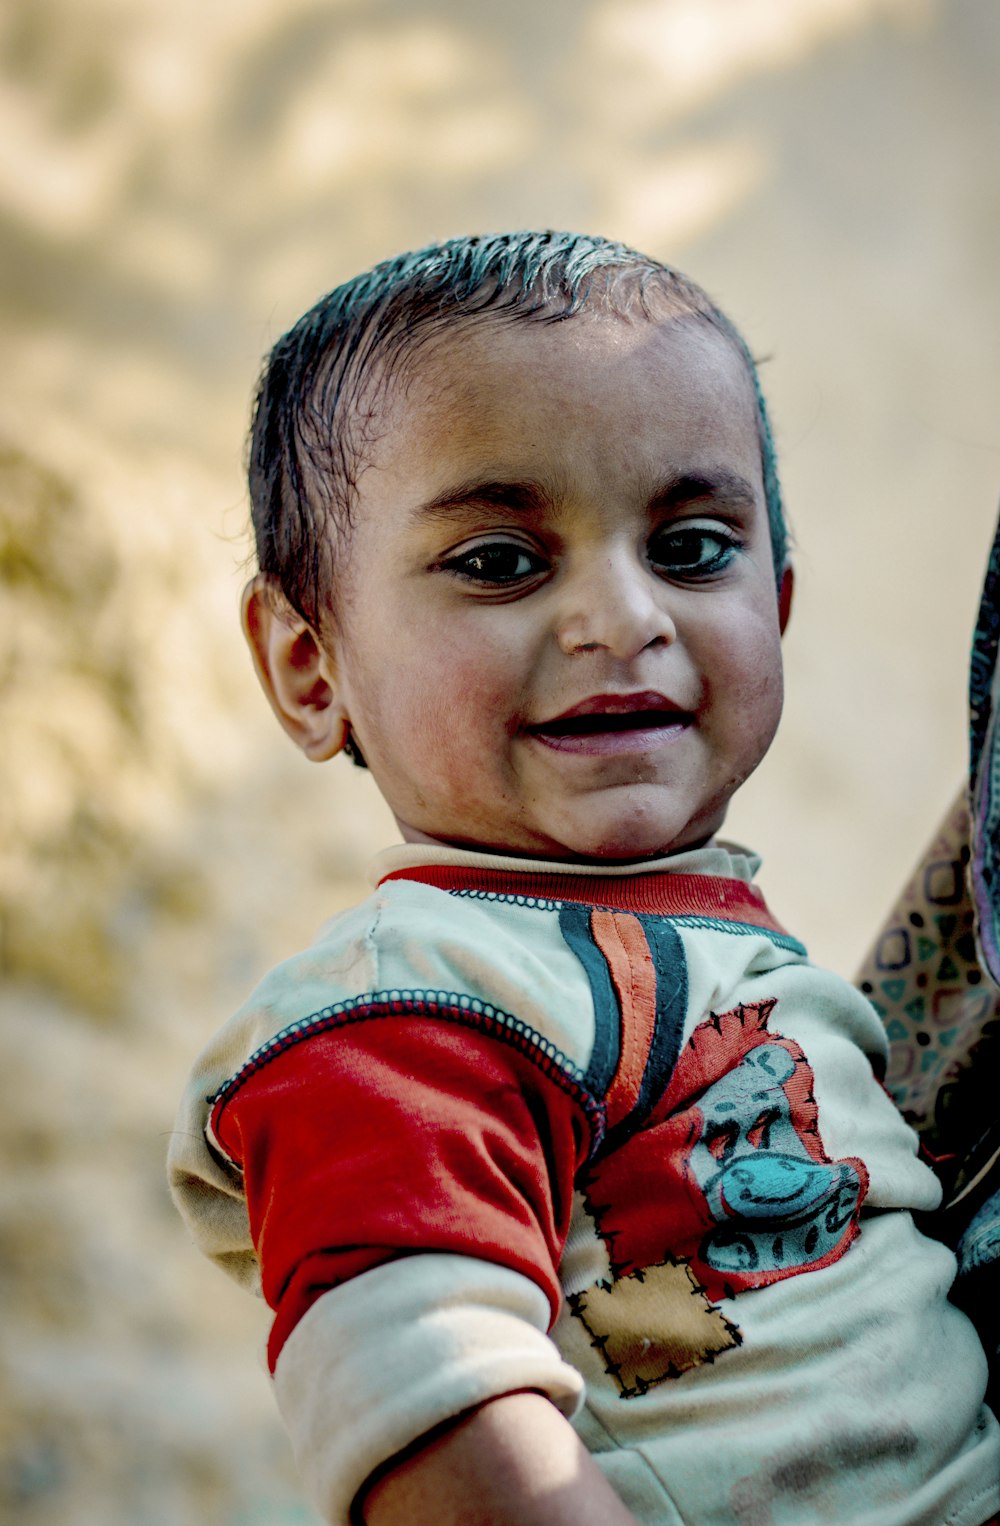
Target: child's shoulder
{"points": [[412, 948], [496, 965]]}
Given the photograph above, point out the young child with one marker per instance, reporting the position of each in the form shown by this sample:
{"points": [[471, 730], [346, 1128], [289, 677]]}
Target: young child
{"points": [[570, 1180]]}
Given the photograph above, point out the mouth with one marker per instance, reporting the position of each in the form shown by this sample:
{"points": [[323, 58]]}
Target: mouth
{"points": [[614, 723]]}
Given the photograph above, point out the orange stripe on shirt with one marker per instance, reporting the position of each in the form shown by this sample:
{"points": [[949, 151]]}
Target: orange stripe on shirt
{"points": [[621, 940]]}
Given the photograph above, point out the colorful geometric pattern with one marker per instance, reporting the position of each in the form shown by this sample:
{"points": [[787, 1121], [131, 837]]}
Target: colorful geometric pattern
{"points": [[984, 764], [925, 979], [933, 975]]}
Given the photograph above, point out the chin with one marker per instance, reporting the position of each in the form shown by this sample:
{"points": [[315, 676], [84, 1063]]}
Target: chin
{"points": [[632, 847], [641, 835]]}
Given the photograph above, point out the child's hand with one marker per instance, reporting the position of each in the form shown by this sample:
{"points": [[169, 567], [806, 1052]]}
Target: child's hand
{"points": [[515, 1462]]}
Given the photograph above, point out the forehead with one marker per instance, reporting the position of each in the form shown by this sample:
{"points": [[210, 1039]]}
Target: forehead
{"points": [[593, 394]]}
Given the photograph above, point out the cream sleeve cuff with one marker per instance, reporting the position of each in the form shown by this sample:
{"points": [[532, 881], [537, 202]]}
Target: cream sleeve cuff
{"points": [[379, 1361]]}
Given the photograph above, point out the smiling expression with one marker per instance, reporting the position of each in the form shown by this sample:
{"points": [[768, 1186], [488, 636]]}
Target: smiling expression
{"points": [[557, 631]]}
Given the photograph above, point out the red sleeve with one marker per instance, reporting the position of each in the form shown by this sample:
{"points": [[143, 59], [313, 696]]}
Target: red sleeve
{"points": [[396, 1134]]}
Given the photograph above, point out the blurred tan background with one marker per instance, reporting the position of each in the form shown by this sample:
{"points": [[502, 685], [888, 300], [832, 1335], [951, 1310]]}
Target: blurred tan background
{"points": [[177, 182]]}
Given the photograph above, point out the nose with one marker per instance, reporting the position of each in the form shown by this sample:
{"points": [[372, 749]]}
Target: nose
{"points": [[614, 604]]}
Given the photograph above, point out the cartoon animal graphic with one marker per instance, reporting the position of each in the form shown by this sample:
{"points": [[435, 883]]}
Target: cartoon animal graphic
{"points": [[777, 1208], [726, 1188]]}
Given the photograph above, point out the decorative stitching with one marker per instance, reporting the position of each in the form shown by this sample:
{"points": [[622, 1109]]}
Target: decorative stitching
{"points": [[716, 924], [450, 1006], [538, 902], [682, 919]]}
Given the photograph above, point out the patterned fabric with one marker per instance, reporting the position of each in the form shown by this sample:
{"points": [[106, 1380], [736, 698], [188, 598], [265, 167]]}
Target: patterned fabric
{"points": [[984, 759], [934, 977], [924, 976]]}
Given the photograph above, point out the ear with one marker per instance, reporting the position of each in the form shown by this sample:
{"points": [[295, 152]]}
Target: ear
{"points": [[785, 591], [295, 672]]}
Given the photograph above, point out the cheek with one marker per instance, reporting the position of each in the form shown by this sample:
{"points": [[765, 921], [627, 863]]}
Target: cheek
{"points": [[749, 673], [765, 687], [451, 697]]}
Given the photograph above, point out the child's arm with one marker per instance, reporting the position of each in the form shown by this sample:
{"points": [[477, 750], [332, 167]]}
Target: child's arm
{"points": [[408, 1188], [515, 1462]]}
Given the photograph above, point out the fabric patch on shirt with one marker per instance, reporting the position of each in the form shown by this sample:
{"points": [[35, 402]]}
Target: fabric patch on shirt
{"points": [[653, 1325]]}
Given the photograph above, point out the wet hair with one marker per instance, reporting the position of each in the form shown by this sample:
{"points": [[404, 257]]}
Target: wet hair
{"points": [[317, 404]]}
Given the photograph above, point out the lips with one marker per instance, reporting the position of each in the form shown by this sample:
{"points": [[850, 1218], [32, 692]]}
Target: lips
{"points": [[614, 723]]}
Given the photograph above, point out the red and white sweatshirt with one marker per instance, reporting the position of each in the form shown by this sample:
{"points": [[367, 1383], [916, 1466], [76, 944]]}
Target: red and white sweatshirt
{"points": [[606, 1134]]}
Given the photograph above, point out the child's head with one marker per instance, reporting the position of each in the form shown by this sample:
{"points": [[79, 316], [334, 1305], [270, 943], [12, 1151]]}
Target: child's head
{"points": [[521, 541]]}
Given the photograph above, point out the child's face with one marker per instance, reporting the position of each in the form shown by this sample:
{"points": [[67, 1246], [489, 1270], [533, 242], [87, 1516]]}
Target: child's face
{"points": [[557, 631]]}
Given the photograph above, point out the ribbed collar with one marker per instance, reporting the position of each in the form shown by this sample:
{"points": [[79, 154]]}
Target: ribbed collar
{"points": [[713, 881]]}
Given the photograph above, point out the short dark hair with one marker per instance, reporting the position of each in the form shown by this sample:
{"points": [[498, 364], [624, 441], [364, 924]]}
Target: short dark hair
{"points": [[309, 425]]}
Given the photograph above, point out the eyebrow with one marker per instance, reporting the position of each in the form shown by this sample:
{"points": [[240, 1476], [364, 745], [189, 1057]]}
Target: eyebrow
{"points": [[718, 482], [525, 497]]}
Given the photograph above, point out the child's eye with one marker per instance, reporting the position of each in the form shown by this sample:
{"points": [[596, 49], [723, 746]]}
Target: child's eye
{"points": [[496, 562], [692, 551]]}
